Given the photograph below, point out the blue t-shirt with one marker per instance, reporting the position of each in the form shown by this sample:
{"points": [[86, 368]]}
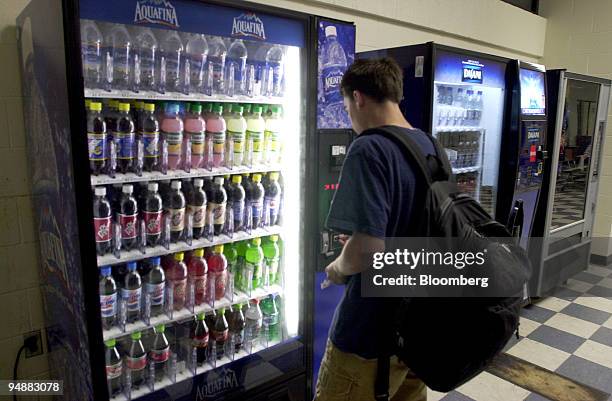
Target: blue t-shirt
{"points": [[380, 193]]}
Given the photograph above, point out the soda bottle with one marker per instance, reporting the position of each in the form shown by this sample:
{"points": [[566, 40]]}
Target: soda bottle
{"points": [[236, 197], [149, 132], [155, 284], [175, 208], [272, 198], [176, 274], [146, 53], [124, 138], [111, 115], [172, 51], [220, 332], [118, 58], [108, 298], [253, 262], [240, 278], [131, 293], [114, 368], [275, 71], [96, 138], [217, 203], [151, 208], [91, 53], [333, 68], [195, 129], [172, 131], [235, 68], [217, 270], [236, 326], [128, 216], [215, 132], [136, 360], [199, 338], [197, 208], [272, 136], [236, 132], [102, 221], [197, 270], [211, 318], [270, 317], [160, 352], [256, 200], [231, 256], [216, 66], [196, 52], [271, 258], [253, 320], [255, 135]]}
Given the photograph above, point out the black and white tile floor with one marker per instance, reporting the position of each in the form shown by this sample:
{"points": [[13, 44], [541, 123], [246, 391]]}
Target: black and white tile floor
{"points": [[569, 333]]}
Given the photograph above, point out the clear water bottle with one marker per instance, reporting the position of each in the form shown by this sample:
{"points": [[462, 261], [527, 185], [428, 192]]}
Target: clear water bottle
{"points": [[333, 67], [91, 53], [146, 51], [172, 51], [196, 53], [235, 68], [274, 71], [216, 65], [478, 105], [469, 107], [118, 57], [256, 69], [458, 105]]}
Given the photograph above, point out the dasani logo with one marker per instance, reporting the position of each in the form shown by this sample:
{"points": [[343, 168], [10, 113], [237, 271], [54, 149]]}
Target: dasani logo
{"points": [[156, 12], [248, 24]]}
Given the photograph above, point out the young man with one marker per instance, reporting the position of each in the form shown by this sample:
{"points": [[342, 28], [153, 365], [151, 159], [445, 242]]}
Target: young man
{"points": [[380, 193]]}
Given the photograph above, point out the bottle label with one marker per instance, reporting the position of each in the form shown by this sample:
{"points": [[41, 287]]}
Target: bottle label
{"points": [[151, 144], [196, 66], [257, 138], [197, 143], [156, 293], [131, 298], [220, 336], [218, 212], [217, 67], [332, 76], [175, 140], [125, 145], [257, 207], [120, 56], [238, 139], [102, 229], [218, 143], [200, 285], [180, 289], [272, 202], [153, 222], [272, 139], [114, 371], [91, 55], [238, 209], [270, 320], [239, 67], [272, 266], [159, 355], [199, 216], [238, 336], [137, 363], [108, 305], [97, 146], [255, 268], [200, 341], [128, 226], [177, 219]]}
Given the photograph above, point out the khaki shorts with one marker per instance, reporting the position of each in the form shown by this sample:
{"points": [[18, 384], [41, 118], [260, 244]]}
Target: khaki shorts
{"points": [[348, 377]]}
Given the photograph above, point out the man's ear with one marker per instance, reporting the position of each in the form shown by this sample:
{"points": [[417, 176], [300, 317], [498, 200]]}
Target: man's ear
{"points": [[359, 99]]}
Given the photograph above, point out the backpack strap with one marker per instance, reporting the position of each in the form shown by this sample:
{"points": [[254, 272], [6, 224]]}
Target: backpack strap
{"points": [[381, 385]]}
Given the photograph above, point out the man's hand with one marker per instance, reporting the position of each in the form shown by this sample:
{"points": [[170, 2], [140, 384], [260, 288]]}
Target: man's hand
{"points": [[333, 275]]}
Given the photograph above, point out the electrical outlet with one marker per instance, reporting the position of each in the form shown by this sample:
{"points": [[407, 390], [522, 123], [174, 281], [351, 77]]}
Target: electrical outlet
{"points": [[33, 343]]}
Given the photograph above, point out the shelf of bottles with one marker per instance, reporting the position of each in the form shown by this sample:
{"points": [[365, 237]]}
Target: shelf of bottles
{"points": [[184, 135]]}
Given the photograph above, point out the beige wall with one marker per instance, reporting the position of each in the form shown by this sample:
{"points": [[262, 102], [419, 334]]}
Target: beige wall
{"points": [[483, 25], [578, 38]]}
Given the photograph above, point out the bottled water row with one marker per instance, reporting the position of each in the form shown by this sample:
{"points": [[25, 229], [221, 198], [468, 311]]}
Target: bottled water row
{"points": [[462, 148], [142, 59], [459, 108]]}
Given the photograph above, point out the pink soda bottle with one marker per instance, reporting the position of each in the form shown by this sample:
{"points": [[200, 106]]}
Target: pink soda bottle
{"points": [[197, 270], [176, 276], [217, 270], [215, 129], [195, 128], [172, 131]]}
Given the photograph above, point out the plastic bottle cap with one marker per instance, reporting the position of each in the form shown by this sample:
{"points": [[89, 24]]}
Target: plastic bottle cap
{"points": [[256, 109], [255, 301], [196, 108], [274, 238], [274, 176], [175, 185], [208, 107], [100, 191], [218, 249], [201, 316], [110, 343], [219, 180], [172, 108], [198, 253], [156, 261], [114, 104], [136, 336], [237, 179], [127, 189], [218, 109], [131, 266], [95, 106], [124, 107], [247, 107], [179, 256], [330, 31], [160, 328], [149, 107], [87, 102], [256, 241], [256, 177], [246, 174], [275, 108], [139, 105], [221, 311], [198, 182], [237, 109], [153, 186], [105, 270]]}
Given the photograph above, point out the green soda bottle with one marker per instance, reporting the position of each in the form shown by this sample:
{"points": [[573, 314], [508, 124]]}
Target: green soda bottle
{"points": [[232, 261], [241, 248], [271, 258], [254, 262], [270, 317]]}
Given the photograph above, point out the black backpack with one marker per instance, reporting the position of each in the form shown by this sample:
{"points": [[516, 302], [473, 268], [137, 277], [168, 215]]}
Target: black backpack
{"points": [[448, 341]]}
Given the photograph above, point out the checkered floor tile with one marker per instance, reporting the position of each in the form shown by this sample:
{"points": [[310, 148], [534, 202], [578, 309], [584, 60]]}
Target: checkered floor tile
{"points": [[568, 207], [569, 333]]}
